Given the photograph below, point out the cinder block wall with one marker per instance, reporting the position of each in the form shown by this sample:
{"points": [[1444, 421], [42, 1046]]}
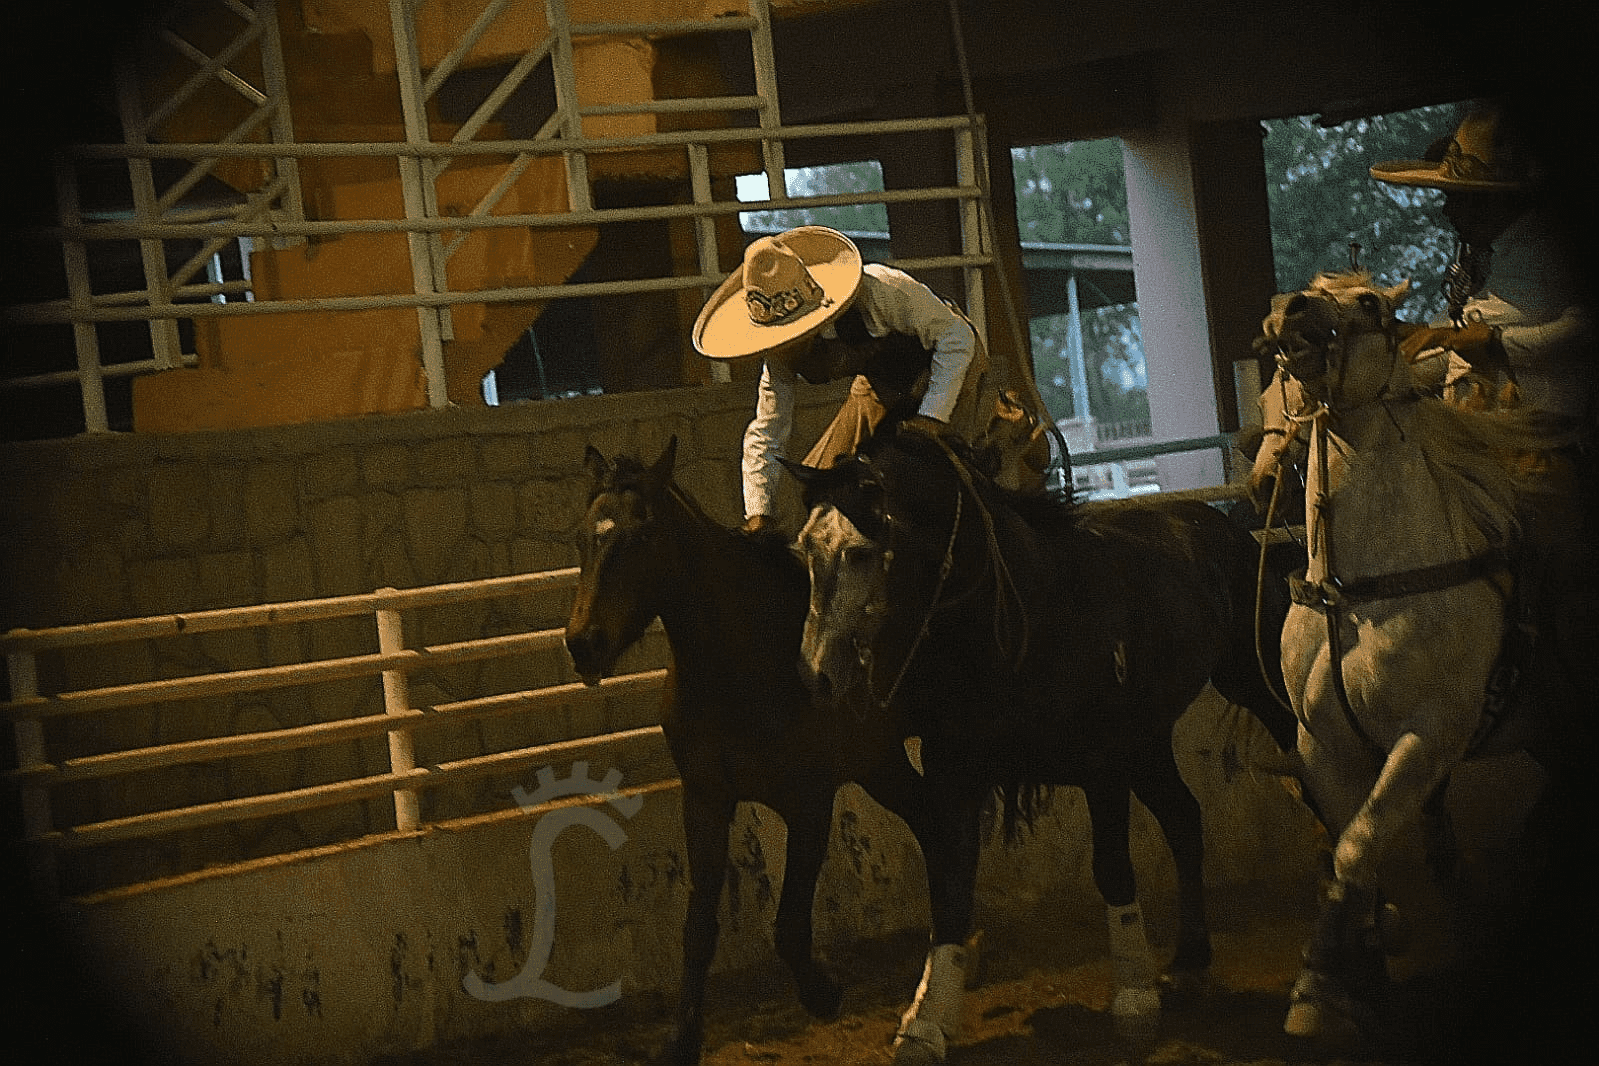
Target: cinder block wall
{"points": [[126, 525]]}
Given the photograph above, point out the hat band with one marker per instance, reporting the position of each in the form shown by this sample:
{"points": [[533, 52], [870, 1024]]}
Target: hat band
{"points": [[1461, 165], [776, 308]]}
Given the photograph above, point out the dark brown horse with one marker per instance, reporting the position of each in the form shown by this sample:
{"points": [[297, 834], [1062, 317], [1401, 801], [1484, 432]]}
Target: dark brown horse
{"points": [[737, 718], [1055, 646]]}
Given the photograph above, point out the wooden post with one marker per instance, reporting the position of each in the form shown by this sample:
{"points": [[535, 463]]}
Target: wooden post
{"points": [[42, 873], [397, 700]]}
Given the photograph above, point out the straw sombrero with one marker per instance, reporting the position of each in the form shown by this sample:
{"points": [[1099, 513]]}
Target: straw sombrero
{"points": [[1478, 158], [788, 287]]}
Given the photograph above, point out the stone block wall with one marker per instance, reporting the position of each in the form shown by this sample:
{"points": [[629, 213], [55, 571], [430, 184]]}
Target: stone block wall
{"points": [[126, 525]]}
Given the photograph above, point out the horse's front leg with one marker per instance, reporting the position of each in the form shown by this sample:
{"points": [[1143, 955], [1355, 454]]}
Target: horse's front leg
{"points": [[1341, 989], [810, 823], [951, 843], [707, 816], [1411, 776], [1135, 1005]]}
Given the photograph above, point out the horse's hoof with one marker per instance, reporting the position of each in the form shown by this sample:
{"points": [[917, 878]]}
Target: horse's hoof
{"points": [[974, 960], [821, 996], [920, 1043], [1321, 1022], [1318, 1009], [1136, 1012]]}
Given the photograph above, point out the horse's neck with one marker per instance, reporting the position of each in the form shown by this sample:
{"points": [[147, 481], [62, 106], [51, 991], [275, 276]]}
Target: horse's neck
{"points": [[1386, 508], [1282, 407], [716, 582], [690, 586]]}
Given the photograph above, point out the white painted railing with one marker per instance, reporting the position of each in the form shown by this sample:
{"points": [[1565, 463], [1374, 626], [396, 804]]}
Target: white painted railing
{"points": [[37, 772]]}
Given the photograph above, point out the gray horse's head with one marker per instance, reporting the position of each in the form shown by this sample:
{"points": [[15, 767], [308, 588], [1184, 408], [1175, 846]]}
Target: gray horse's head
{"points": [[1337, 337]]}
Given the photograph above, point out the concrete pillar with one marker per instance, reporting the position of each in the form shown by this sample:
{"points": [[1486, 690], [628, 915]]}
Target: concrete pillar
{"points": [[1171, 301]]}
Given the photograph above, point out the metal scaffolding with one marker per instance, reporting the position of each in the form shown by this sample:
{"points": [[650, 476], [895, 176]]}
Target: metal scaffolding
{"points": [[249, 66]]}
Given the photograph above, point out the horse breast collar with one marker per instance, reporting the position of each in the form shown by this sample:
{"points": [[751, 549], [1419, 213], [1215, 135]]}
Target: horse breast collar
{"points": [[1331, 596]]}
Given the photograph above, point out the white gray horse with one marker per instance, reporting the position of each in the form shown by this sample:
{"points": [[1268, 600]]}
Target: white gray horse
{"points": [[1395, 648]]}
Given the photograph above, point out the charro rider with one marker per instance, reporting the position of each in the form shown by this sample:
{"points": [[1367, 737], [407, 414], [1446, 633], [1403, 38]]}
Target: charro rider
{"points": [[1519, 333], [804, 301], [1516, 311]]}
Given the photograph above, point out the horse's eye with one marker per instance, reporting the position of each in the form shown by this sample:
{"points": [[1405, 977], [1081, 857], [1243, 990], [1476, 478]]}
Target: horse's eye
{"points": [[1370, 304]]}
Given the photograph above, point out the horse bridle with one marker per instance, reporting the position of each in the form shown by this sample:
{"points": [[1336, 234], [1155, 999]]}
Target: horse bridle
{"points": [[1005, 593], [863, 649]]}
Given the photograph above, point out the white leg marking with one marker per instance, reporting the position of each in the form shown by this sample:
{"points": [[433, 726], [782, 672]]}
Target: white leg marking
{"points": [[1133, 964], [934, 1016]]}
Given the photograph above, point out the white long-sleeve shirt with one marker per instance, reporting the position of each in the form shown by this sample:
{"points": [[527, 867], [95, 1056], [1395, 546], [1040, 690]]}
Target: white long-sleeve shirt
{"points": [[890, 301], [1547, 332]]}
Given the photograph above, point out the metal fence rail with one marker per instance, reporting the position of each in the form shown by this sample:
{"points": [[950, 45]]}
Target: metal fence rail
{"points": [[166, 230], [37, 773]]}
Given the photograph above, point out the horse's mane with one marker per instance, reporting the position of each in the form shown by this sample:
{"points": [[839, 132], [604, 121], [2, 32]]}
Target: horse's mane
{"points": [[629, 474], [1470, 452], [1043, 510], [1336, 281]]}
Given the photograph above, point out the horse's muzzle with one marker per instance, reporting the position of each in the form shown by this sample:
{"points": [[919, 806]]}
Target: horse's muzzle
{"points": [[818, 684], [589, 658], [833, 670], [1306, 334]]}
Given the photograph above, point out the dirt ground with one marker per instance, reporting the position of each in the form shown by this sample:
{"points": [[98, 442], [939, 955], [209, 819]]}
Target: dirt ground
{"points": [[1469, 991]]}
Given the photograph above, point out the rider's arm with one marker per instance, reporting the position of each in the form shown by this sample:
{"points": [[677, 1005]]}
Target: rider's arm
{"points": [[766, 437], [892, 301], [1566, 340]]}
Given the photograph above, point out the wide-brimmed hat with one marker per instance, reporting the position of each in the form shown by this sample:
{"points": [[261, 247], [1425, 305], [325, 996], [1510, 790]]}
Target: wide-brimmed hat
{"points": [[1478, 157], [788, 287]]}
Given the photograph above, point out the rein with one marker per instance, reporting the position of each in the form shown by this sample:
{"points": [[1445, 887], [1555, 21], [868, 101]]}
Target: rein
{"points": [[944, 569], [1297, 419], [1007, 596]]}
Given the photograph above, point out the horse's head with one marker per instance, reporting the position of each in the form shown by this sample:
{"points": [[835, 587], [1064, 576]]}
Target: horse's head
{"points": [[848, 575], [881, 532], [1338, 338], [1013, 450], [621, 553]]}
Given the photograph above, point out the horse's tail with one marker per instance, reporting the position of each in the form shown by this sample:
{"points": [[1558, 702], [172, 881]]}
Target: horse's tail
{"points": [[1017, 805]]}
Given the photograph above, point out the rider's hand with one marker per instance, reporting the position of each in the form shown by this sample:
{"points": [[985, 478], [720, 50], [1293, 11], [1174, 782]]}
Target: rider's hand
{"points": [[1475, 342], [759, 523]]}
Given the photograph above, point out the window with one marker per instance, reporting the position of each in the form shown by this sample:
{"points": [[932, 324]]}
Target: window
{"points": [[865, 176], [1322, 197], [1088, 353]]}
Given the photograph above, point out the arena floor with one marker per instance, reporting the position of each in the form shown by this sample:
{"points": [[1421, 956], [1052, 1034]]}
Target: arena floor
{"points": [[1465, 993]]}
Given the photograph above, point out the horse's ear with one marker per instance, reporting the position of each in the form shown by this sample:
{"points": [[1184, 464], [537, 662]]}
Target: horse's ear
{"points": [[1398, 294], [595, 464], [661, 472]]}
